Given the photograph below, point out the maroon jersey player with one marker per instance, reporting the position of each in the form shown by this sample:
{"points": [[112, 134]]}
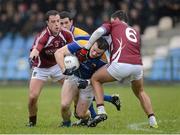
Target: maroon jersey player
{"points": [[125, 62], [46, 43], [43, 61]]}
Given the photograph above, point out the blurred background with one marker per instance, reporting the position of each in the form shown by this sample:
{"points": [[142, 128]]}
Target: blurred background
{"points": [[157, 20]]}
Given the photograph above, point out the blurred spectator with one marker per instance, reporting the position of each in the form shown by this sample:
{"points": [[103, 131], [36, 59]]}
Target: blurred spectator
{"points": [[4, 22], [80, 21], [60, 6], [17, 23], [71, 6], [89, 24], [29, 26], [40, 23]]}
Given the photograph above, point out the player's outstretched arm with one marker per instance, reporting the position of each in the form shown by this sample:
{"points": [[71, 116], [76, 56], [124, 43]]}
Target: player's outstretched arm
{"points": [[33, 55], [96, 35]]}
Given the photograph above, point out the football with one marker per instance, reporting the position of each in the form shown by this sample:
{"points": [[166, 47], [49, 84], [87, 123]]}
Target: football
{"points": [[71, 61]]}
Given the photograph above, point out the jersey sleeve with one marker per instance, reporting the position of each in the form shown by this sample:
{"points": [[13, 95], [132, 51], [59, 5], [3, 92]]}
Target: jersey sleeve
{"points": [[41, 40], [106, 27], [73, 47], [68, 36]]}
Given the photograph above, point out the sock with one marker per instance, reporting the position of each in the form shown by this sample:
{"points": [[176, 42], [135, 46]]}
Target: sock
{"points": [[108, 98], [33, 119], [101, 109], [152, 114], [92, 111], [75, 107], [67, 123]]}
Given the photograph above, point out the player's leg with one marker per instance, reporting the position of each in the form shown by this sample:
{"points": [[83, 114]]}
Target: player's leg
{"points": [[75, 105], [92, 111], [99, 77], [114, 99], [38, 78], [35, 88], [69, 91], [82, 112], [138, 89], [84, 101]]}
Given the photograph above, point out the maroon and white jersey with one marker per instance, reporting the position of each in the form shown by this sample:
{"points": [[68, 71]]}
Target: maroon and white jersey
{"points": [[125, 46], [47, 44]]}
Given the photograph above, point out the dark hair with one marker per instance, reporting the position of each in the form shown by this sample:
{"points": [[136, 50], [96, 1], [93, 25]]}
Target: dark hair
{"points": [[66, 14], [121, 15], [49, 13], [102, 44]]}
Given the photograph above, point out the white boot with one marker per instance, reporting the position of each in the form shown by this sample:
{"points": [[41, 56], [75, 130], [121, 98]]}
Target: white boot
{"points": [[101, 110], [153, 122]]}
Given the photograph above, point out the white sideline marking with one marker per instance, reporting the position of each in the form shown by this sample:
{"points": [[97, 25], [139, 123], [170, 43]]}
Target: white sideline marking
{"points": [[139, 126]]}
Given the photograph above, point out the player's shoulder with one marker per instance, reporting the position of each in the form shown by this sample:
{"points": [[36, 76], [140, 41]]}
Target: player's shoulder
{"points": [[44, 32], [43, 35], [79, 32], [81, 36], [66, 33]]}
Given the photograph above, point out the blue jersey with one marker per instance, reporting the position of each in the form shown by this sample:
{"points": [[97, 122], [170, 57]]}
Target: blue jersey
{"points": [[87, 65]]}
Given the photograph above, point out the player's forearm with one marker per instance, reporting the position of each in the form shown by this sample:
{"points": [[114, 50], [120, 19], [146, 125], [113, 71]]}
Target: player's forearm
{"points": [[96, 35], [59, 56]]}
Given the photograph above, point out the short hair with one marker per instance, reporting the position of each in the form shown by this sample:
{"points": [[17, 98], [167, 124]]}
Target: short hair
{"points": [[102, 44], [121, 15], [66, 14], [49, 13]]}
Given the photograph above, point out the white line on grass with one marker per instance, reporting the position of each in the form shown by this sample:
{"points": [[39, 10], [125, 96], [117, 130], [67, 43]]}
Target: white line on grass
{"points": [[141, 126]]}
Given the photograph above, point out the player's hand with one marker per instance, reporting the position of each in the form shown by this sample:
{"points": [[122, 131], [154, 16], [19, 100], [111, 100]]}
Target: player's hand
{"points": [[30, 61], [82, 83], [69, 71], [82, 54], [34, 53]]}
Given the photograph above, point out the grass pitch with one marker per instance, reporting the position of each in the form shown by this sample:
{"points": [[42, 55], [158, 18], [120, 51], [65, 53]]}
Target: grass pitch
{"points": [[131, 118]]}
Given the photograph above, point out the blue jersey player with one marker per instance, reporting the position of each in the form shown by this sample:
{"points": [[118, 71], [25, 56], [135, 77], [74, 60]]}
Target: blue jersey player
{"points": [[90, 61]]}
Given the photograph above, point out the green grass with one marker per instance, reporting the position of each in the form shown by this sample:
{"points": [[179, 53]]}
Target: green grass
{"points": [[131, 119]]}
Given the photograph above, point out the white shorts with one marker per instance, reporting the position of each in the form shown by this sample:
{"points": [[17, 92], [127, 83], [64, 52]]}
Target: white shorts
{"points": [[123, 71], [44, 74], [84, 94]]}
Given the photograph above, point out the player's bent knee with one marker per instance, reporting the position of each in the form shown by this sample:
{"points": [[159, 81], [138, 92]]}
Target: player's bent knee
{"points": [[81, 113], [65, 107], [93, 79]]}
